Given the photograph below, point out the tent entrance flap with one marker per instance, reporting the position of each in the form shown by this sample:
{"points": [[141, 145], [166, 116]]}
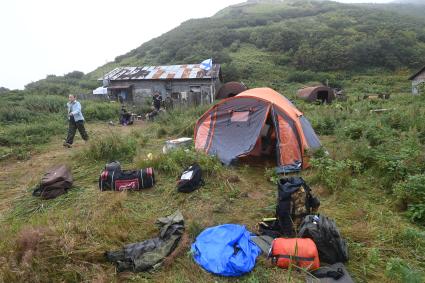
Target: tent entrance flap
{"points": [[289, 158], [236, 127]]}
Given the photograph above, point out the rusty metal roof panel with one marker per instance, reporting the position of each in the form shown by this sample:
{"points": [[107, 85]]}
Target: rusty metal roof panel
{"points": [[189, 71]]}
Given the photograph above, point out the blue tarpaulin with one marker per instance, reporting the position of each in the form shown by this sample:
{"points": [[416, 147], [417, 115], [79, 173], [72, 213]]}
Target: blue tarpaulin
{"points": [[226, 250]]}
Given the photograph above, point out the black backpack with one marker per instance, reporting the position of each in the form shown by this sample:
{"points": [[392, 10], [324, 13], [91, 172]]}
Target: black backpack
{"points": [[191, 179], [295, 200], [323, 231]]}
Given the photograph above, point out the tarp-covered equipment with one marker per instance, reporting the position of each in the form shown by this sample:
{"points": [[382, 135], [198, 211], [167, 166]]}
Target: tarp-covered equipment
{"points": [[225, 250], [150, 253], [255, 122]]}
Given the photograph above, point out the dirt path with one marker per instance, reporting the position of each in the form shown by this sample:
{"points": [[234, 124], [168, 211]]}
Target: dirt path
{"points": [[16, 177]]}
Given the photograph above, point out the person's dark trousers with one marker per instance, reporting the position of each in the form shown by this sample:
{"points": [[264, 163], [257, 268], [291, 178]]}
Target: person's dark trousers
{"points": [[73, 126]]}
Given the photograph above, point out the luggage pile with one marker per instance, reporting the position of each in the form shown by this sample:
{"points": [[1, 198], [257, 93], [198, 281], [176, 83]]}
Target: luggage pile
{"points": [[304, 238]]}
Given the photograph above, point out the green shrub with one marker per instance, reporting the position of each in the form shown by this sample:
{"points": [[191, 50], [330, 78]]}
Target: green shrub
{"points": [[324, 126], [16, 114], [103, 111], [49, 104], [399, 270], [335, 174], [378, 134], [412, 193], [33, 133], [354, 130], [110, 148]]}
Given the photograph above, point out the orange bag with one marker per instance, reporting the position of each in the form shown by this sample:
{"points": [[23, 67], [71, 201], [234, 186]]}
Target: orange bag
{"points": [[301, 252]]}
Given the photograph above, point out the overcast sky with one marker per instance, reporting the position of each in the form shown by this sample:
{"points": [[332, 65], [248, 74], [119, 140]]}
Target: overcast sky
{"points": [[45, 37]]}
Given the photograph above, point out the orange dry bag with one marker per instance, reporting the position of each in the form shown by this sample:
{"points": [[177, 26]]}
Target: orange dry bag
{"points": [[300, 252]]}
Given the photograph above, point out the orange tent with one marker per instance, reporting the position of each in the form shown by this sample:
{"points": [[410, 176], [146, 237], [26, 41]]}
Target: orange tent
{"points": [[256, 122]]}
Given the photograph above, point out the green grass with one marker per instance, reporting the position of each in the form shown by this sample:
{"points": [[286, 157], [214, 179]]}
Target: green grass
{"points": [[370, 183]]}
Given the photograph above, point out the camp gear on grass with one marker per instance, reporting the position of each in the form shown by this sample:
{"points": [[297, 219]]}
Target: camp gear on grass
{"points": [[191, 179], [225, 250], [335, 273], [122, 180], [300, 252], [232, 127], [323, 231], [150, 253], [295, 201], [55, 182]]}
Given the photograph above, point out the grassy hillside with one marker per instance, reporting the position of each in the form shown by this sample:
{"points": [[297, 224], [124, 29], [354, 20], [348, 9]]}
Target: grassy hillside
{"points": [[297, 35]]}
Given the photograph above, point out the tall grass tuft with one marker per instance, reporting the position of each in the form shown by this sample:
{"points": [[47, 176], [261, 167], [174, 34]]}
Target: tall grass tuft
{"points": [[109, 148], [175, 161]]}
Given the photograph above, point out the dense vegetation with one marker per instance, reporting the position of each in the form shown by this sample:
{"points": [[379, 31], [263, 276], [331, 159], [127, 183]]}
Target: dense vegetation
{"points": [[303, 35], [30, 118]]}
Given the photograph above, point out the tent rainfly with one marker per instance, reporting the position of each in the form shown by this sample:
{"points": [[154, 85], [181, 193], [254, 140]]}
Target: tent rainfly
{"points": [[257, 122]]}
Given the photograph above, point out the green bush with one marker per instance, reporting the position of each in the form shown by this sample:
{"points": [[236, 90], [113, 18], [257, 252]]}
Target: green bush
{"points": [[412, 193], [49, 104], [399, 270], [32, 134], [324, 126], [354, 130], [335, 174], [110, 148], [102, 111]]}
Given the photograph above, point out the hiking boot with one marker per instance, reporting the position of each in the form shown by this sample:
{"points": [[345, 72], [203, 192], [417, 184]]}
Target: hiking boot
{"points": [[68, 145]]}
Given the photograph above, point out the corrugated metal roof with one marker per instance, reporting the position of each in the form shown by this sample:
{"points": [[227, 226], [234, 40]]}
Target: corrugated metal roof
{"points": [[176, 72]]}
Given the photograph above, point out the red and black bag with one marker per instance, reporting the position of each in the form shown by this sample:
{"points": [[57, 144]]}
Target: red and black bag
{"points": [[123, 180]]}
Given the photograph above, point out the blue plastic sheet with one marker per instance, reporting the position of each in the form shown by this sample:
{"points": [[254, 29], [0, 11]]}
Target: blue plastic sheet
{"points": [[226, 250]]}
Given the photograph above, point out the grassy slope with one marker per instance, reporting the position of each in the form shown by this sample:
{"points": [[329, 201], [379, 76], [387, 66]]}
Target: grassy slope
{"points": [[64, 239]]}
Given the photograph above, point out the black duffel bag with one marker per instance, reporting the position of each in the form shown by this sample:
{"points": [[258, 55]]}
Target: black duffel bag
{"points": [[123, 180]]}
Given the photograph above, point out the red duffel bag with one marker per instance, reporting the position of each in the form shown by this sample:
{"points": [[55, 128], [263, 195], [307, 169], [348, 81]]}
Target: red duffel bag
{"points": [[301, 252]]}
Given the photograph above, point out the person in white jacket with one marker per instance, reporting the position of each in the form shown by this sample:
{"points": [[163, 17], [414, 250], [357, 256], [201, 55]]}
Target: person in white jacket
{"points": [[76, 121]]}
